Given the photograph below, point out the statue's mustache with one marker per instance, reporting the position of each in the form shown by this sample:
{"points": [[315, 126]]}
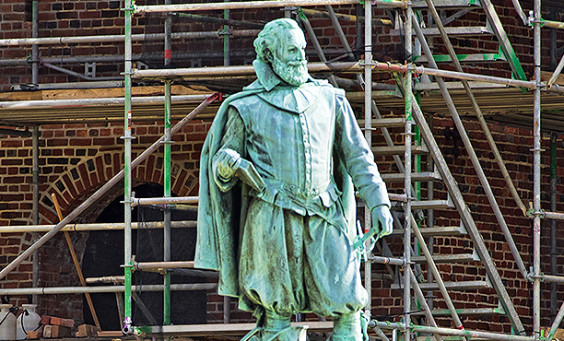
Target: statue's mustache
{"points": [[301, 63]]}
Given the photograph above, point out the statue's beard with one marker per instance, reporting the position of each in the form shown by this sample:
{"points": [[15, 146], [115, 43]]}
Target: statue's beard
{"points": [[293, 73]]}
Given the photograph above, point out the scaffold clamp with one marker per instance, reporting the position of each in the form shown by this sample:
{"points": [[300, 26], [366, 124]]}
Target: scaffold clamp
{"points": [[531, 212], [532, 277], [128, 329]]}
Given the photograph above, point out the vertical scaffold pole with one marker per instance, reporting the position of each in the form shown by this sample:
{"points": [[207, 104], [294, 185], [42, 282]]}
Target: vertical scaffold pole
{"points": [[35, 206], [537, 171], [167, 167], [226, 38], [35, 142], [407, 187], [35, 47], [368, 131], [35, 145], [128, 262], [553, 235], [226, 62]]}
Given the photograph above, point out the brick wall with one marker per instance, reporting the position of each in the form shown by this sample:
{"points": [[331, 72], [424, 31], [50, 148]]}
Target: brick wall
{"points": [[98, 18]]}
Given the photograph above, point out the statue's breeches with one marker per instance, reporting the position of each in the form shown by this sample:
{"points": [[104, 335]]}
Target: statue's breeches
{"points": [[292, 263]]}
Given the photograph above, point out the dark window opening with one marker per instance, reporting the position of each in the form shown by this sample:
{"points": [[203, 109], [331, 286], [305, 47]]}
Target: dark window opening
{"points": [[104, 256]]}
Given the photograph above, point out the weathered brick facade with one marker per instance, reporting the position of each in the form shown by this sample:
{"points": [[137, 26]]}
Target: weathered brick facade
{"points": [[76, 159]]}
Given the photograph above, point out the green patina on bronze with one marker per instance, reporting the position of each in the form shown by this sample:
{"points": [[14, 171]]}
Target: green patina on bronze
{"points": [[276, 215]]}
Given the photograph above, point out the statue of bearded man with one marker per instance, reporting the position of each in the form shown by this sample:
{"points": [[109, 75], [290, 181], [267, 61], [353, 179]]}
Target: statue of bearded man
{"points": [[277, 209]]}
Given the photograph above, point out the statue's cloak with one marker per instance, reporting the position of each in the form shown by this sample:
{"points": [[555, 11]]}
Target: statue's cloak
{"points": [[222, 215]]}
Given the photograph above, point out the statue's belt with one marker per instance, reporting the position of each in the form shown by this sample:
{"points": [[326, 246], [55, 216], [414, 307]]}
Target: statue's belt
{"points": [[312, 201]]}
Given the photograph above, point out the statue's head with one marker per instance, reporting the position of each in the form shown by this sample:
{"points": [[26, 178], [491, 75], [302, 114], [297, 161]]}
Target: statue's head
{"points": [[282, 45]]}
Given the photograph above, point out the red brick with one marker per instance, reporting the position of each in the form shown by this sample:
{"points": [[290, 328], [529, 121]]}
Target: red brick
{"points": [[70, 185], [100, 168], [80, 142], [150, 164], [12, 143], [67, 323], [84, 175], [45, 319], [86, 330], [179, 181], [117, 163], [58, 331]]}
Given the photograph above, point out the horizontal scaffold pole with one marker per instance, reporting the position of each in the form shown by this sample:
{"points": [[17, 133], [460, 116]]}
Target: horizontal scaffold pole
{"points": [[103, 190], [163, 265], [454, 332], [553, 24], [95, 227], [553, 278], [554, 215], [216, 6], [104, 289], [354, 67], [195, 200], [388, 260], [120, 38], [58, 103], [164, 201]]}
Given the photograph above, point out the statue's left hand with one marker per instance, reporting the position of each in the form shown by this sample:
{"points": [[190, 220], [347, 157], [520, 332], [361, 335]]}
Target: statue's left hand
{"points": [[382, 221]]}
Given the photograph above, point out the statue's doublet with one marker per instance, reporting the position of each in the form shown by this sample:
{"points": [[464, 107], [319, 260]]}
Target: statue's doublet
{"points": [[289, 134]]}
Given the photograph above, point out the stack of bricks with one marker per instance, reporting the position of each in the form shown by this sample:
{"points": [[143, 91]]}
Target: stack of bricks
{"points": [[52, 327], [87, 330]]}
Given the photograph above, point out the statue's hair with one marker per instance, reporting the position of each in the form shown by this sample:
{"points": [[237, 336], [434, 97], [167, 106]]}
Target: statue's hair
{"points": [[270, 35]]}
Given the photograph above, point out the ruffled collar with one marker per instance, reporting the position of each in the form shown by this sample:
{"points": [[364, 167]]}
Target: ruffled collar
{"points": [[278, 93]]}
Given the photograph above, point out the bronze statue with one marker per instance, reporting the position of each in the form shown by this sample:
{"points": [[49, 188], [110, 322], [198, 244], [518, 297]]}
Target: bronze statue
{"points": [[277, 209]]}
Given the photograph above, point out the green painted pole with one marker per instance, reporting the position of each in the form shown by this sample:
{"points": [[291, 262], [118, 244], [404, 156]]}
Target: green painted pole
{"points": [[167, 194], [167, 168], [167, 214], [128, 262]]}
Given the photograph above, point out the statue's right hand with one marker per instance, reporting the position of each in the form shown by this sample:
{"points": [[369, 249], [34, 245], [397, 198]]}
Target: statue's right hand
{"points": [[225, 162]]}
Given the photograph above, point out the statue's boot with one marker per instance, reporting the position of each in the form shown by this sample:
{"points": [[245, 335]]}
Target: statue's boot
{"points": [[277, 328], [347, 328]]}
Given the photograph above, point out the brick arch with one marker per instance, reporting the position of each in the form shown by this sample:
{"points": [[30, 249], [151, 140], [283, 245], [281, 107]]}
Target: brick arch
{"points": [[74, 185]]}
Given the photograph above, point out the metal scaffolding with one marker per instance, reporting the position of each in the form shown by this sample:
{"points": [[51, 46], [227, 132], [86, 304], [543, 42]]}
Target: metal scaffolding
{"points": [[417, 241]]}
